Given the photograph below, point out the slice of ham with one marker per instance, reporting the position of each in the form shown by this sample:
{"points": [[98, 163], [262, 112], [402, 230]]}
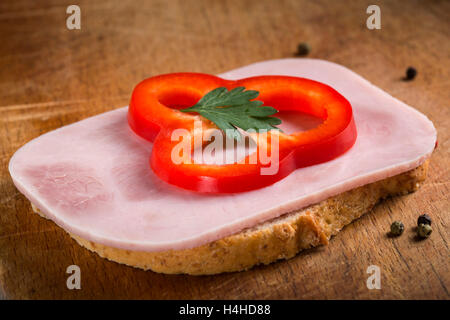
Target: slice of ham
{"points": [[93, 178]]}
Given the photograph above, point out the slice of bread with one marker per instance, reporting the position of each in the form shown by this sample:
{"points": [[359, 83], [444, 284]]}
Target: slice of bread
{"points": [[280, 238]]}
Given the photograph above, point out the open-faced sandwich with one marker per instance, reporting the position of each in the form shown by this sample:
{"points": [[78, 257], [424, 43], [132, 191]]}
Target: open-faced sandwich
{"points": [[204, 174]]}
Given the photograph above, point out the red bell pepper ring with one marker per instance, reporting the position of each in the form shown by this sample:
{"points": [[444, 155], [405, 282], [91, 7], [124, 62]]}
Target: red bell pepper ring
{"points": [[153, 115]]}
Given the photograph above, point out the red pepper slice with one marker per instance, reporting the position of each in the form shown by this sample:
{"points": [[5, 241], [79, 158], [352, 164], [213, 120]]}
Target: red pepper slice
{"points": [[153, 115]]}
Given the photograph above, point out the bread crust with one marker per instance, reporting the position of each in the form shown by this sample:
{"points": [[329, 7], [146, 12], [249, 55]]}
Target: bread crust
{"points": [[280, 238]]}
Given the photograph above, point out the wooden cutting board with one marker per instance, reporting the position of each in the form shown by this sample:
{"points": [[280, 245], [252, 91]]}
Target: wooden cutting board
{"points": [[51, 76]]}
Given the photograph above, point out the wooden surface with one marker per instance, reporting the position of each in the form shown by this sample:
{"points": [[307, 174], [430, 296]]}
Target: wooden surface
{"points": [[50, 76]]}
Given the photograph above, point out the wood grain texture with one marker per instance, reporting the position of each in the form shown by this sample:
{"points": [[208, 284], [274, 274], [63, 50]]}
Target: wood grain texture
{"points": [[50, 76]]}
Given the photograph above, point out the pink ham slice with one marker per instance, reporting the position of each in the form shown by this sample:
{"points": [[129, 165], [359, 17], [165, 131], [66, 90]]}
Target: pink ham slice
{"points": [[93, 179]]}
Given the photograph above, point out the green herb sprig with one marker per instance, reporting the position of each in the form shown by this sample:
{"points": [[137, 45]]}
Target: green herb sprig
{"points": [[234, 109]]}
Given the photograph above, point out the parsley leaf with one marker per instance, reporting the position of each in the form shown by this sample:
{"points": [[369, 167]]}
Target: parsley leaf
{"points": [[234, 109]]}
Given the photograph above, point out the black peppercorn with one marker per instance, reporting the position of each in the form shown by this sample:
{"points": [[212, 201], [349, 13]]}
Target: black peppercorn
{"points": [[424, 219], [410, 73], [397, 228], [424, 230], [303, 49]]}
